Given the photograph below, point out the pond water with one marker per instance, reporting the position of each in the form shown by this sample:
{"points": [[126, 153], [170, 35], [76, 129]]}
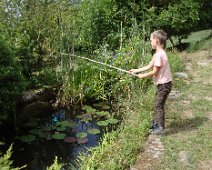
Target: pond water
{"points": [[62, 136]]}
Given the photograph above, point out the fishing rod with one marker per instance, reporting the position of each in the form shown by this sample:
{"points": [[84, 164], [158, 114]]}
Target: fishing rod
{"points": [[98, 62]]}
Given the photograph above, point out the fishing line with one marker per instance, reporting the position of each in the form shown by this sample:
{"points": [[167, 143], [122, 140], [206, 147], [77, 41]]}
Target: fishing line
{"points": [[98, 62]]}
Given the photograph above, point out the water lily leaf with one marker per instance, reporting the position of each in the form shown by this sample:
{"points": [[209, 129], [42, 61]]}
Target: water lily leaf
{"points": [[102, 123], [79, 116], [27, 138], [35, 131], [112, 121], [48, 128], [61, 129], [49, 137], [82, 140], [44, 135], [91, 111], [86, 107], [94, 131], [105, 107], [59, 136], [66, 123], [86, 117], [102, 113], [81, 135], [100, 104], [70, 140], [97, 104]]}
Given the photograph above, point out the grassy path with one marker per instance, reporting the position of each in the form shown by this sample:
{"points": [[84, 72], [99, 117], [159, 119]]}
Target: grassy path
{"points": [[187, 143]]}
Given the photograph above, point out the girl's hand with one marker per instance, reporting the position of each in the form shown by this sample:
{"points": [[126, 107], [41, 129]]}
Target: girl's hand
{"points": [[140, 76], [132, 71]]}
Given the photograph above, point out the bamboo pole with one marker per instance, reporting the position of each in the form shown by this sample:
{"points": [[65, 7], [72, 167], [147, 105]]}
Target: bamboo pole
{"points": [[98, 62]]}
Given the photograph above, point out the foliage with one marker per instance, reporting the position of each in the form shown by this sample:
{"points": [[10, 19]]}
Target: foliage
{"points": [[205, 14], [11, 81], [6, 163], [183, 119], [110, 31], [202, 41], [118, 149], [176, 62], [40, 30], [55, 165], [178, 19]]}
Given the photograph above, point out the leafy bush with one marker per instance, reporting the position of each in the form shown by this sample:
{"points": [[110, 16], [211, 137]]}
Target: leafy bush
{"points": [[176, 62], [55, 165], [88, 80], [6, 163], [11, 81]]}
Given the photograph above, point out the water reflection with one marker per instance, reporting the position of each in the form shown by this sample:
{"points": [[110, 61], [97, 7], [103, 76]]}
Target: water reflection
{"points": [[40, 153]]}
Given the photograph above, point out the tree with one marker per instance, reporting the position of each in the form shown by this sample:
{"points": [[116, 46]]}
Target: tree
{"points": [[178, 18], [11, 81]]}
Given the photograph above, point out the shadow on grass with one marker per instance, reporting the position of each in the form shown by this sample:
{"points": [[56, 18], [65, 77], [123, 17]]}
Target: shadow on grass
{"points": [[180, 47], [185, 125]]}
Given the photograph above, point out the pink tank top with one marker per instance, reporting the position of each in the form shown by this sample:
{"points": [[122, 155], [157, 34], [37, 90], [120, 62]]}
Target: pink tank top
{"points": [[164, 75]]}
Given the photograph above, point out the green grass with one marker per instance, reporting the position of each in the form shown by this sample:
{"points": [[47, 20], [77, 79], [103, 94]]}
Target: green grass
{"points": [[198, 36], [119, 149], [191, 135], [196, 40]]}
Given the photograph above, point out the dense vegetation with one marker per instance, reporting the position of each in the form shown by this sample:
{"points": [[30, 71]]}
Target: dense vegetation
{"points": [[36, 37]]}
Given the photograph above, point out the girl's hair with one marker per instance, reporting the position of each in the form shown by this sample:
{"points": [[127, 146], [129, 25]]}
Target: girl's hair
{"points": [[161, 36]]}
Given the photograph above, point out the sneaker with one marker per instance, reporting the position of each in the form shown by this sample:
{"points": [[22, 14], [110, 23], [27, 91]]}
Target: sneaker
{"points": [[157, 131], [154, 125]]}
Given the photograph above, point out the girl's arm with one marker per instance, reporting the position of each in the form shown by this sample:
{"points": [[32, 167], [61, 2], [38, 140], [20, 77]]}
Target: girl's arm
{"points": [[149, 66], [151, 73]]}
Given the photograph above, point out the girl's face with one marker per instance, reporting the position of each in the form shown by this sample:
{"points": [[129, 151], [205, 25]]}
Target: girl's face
{"points": [[154, 42]]}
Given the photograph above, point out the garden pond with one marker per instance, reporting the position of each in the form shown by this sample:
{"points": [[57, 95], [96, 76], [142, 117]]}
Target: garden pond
{"points": [[62, 135]]}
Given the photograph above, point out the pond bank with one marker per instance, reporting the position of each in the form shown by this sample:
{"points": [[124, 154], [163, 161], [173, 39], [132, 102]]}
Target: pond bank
{"points": [[187, 142]]}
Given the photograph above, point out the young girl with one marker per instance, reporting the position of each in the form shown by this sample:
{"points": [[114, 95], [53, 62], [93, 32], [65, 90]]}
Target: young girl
{"points": [[162, 76]]}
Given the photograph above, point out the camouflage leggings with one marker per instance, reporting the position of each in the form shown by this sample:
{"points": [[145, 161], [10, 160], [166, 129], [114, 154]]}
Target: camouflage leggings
{"points": [[162, 93]]}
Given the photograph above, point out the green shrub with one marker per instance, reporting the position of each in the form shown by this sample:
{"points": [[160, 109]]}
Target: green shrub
{"points": [[176, 62], [55, 165], [119, 149], [6, 163], [11, 81]]}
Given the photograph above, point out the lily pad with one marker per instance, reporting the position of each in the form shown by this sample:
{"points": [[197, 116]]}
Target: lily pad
{"points": [[70, 140], [112, 121], [86, 107], [35, 131], [82, 141], [60, 129], [91, 111], [102, 113], [66, 123], [81, 135], [79, 116], [44, 135], [102, 123], [99, 104], [86, 117], [105, 107], [94, 131], [27, 138], [59, 136]]}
